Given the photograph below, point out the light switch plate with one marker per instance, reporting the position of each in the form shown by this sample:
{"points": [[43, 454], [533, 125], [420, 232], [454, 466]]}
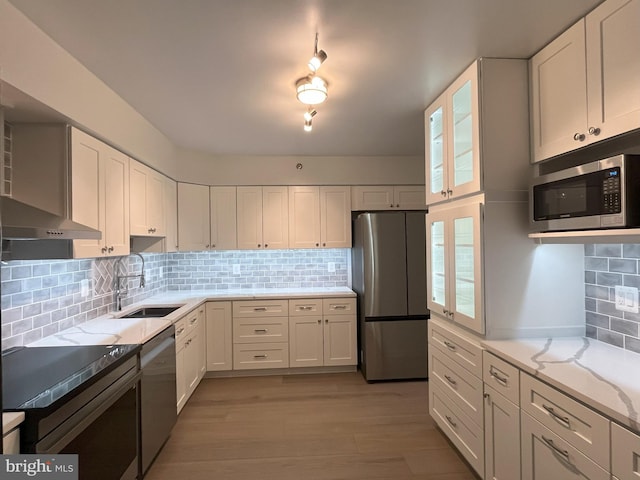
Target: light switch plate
{"points": [[626, 299], [236, 269], [331, 266]]}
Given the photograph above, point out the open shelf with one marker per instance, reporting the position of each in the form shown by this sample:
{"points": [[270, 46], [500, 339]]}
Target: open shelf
{"points": [[620, 235]]}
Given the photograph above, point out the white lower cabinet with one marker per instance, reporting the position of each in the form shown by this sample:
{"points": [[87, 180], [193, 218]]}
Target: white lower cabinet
{"points": [[219, 343], [501, 437], [190, 354], [625, 453], [547, 456]]}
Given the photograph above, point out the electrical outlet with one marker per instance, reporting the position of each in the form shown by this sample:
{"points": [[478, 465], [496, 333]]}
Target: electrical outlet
{"points": [[236, 269], [331, 267], [161, 272], [626, 299], [85, 285]]}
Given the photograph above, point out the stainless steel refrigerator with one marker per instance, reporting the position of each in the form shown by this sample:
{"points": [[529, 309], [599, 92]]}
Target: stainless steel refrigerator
{"points": [[389, 276]]}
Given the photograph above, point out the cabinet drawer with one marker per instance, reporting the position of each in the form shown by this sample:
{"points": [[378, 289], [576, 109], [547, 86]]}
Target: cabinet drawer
{"points": [[546, 456], [181, 331], [625, 451], [305, 306], [260, 355], [460, 429], [501, 376], [260, 308], [11, 442], [339, 306], [456, 347], [579, 425], [252, 330], [191, 320], [458, 383]]}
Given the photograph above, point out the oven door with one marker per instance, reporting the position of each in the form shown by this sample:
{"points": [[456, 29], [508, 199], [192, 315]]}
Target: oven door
{"points": [[103, 432], [588, 200]]}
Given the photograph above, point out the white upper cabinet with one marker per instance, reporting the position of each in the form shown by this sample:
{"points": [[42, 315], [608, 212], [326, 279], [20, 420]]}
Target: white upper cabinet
{"points": [[464, 156], [171, 215], [320, 217], [100, 195], [146, 196], [585, 85], [223, 218], [193, 217], [263, 217], [387, 197]]}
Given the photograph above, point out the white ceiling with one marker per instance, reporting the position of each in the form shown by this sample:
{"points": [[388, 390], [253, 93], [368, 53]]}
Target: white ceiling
{"points": [[218, 75]]}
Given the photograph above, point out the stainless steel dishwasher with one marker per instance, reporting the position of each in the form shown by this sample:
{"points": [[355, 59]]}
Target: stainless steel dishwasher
{"points": [[158, 412]]}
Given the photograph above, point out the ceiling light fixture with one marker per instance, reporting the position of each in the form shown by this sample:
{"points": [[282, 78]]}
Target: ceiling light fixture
{"points": [[311, 90], [309, 114], [308, 126], [318, 57]]}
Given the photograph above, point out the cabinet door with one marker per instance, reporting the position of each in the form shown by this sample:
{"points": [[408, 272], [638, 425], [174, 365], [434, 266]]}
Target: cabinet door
{"points": [[304, 217], [223, 218], [335, 217], [546, 456], [501, 437], [409, 197], [171, 215], [463, 159], [138, 221], [613, 68], [192, 361], [305, 341], [87, 202], [437, 263], [625, 453], [155, 203], [340, 340], [249, 217], [181, 382], [436, 151], [466, 267], [559, 95], [275, 217], [202, 342], [219, 341], [193, 217], [116, 177], [372, 197]]}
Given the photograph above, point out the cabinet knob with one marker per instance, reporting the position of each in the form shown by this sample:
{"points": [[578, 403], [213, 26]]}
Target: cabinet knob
{"points": [[324, 244], [326, 320], [449, 192], [213, 245], [110, 249], [445, 311], [579, 137], [207, 246], [317, 244], [443, 193], [397, 205], [266, 245], [259, 245], [595, 131], [103, 249], [391, 206], [319, 321]]}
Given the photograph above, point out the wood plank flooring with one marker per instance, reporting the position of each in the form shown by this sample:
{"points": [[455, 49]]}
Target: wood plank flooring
{"points": [[308, 427]]}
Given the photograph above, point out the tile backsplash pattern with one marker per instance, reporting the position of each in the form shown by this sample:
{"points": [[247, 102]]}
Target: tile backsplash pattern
{"points": [[608, 265], [258, 269], [42, 297]]}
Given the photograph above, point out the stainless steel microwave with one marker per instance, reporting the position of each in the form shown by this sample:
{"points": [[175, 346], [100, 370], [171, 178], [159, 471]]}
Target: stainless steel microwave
{"points": [[602, 194]]}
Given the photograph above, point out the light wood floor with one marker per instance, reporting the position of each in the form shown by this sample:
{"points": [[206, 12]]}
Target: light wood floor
{"points": [[307, 427]]}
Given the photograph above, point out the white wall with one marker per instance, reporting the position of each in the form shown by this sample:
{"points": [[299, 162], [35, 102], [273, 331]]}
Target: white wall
{"points": [[34, 64], [197, 167]]}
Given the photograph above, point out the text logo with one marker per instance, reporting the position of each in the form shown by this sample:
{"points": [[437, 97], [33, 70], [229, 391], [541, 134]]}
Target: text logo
{"points": [[50, 467]]}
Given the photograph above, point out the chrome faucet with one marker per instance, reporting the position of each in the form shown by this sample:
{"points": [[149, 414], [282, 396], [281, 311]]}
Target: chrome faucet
{"points": [[118, 289]]}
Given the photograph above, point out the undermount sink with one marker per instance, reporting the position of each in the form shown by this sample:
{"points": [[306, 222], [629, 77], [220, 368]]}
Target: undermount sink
{"points": [[151, 312]]}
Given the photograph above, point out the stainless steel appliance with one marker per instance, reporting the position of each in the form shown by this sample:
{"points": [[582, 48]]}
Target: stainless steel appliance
{"points": [[389, 276], [602, 194], [158, 413], [78, 399]]}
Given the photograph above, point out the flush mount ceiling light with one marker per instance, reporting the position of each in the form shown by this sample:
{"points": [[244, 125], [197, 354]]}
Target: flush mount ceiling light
{"points": [[311, 90]]}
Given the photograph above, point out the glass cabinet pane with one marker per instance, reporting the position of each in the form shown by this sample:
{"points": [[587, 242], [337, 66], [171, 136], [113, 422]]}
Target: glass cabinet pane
{"points": [[438, 276], [462, 120], [464, 275], [436, 149]]}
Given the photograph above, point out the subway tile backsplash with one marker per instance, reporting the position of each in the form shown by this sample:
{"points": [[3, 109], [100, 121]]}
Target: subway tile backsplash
{"points": [[42, 297], [608, 265]]}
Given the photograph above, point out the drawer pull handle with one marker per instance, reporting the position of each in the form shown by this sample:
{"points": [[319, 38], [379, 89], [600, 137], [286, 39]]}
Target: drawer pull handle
{"points": [[450, 380], [451, 422], [340, 307], [557, 416], [306, 307], [193, 320], [180, 330], [563, 453], [264, 355], [497, 376], [260, 330], [450, 345], [260, 309]]}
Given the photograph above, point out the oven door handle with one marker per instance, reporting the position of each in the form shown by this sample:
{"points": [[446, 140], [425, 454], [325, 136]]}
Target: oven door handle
{"points": [[84, 417]]}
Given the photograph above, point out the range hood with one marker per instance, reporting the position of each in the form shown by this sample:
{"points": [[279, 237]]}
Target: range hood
{"points": [[29, 233]]}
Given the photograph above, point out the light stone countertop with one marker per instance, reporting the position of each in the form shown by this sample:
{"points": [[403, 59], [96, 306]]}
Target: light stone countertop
{"points": [[599, 375], [11, 420]]}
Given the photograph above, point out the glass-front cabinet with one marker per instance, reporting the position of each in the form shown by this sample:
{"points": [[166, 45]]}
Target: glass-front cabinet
{"points": [[454, 254], [452, 140]]}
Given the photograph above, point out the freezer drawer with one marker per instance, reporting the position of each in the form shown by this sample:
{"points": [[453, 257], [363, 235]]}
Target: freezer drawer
{"points": [[394, 349]]}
